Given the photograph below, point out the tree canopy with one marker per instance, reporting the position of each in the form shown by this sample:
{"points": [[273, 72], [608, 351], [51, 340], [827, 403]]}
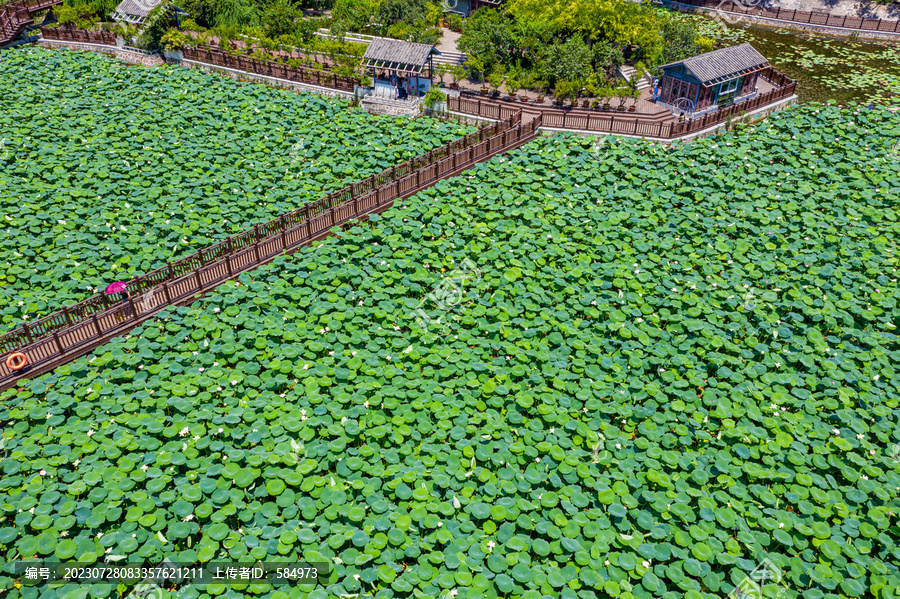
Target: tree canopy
{"points": [[619, 21]]}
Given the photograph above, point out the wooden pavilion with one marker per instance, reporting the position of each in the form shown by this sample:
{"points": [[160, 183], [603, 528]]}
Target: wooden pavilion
{"points": [[713, 80], [397, 58]]}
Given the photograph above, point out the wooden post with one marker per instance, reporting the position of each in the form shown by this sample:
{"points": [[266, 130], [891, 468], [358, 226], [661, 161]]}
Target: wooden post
{"points": [[28, 332], [66, 314], [171, 270], [166, 291], [256, 251], [134, 314], [97, 324], [283, 233], [200, 257], [199, 280]]}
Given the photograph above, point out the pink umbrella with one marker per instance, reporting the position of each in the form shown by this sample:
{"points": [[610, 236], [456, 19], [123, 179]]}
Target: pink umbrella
{"points": [[117, 287]]}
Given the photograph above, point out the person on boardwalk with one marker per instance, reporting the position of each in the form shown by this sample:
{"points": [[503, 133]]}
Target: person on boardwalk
{"points": [[119, 288]]}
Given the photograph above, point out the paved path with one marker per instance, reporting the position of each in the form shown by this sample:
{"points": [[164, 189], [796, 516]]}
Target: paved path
{"points": [[448, 41]]}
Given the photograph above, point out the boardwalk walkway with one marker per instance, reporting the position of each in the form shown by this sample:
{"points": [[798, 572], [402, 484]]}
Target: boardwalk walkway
{"points": [[76, 330]]}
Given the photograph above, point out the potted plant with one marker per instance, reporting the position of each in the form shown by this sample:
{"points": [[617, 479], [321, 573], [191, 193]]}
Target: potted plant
{"points": [[441, 70], [512, 86], [621, 95], [595, 103], [457, 72], [495, 80], [635, 95], [476, 69], [435, 100], [173, 42], [606, 94]]}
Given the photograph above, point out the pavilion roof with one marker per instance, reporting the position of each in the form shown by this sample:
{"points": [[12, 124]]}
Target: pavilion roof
{"points": [[723, 64], [398, 55], [136, 11]]}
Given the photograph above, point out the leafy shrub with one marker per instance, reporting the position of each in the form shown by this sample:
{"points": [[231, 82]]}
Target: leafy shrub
{"points": [[81, 15], [433, 97], [174, 40]]}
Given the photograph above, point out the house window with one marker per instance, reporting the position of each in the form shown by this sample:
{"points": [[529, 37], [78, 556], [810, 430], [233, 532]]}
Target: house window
{"points": [[728, 87]]}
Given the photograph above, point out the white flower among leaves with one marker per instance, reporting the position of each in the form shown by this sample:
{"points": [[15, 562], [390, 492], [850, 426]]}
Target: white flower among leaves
{"points": [[144, 467], [184, 432], [90, 433]]}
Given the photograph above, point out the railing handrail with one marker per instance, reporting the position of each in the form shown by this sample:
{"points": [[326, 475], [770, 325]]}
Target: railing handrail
{"points": [[618, 123]]}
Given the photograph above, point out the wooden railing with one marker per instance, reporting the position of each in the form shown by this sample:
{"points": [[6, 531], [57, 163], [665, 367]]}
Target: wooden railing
{"points": [[821, 19], [16, 16], [55, 337], [282, 70], [216, 57], [617, 123], [103, 38]]}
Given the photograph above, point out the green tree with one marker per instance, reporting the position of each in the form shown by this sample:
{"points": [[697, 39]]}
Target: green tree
{"points": [[620, 21], [488, 36], [406, 11], [569, 60], [682, 40], [280, 18], [357, 14]]}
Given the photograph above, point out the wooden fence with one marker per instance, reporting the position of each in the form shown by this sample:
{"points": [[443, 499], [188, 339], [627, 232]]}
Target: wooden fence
{"points": [[103, 38], [59, 337], [822, 19], [281, 69], [214, 56], [617, 123]]}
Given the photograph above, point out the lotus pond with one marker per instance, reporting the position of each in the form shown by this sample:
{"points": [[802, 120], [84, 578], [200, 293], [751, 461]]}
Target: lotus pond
{"points": [[825, 67], [668, 364], [109, 170]]}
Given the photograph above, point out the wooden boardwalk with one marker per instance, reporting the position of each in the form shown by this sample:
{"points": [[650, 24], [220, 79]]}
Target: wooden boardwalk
{"points": [[16, 16], [76, 330]]}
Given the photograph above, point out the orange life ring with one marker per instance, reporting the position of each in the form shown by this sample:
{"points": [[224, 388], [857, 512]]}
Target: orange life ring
{"points": [[16, 361]]}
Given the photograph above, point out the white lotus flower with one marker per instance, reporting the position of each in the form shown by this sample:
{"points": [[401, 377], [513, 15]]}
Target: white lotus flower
{"points": [[90, 433], [144, 467]]}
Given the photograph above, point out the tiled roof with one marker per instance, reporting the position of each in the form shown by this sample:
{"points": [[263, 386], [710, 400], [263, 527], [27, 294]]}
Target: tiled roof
{"points": [[724, 64], [398, 55], [137, 8]]}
